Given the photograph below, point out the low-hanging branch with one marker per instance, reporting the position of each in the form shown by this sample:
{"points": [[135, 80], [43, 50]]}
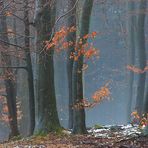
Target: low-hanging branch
{"points": [[14, 67], [12, 44]]}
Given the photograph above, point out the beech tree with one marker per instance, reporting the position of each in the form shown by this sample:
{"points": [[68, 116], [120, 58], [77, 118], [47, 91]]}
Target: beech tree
{"points": [[9, 78], [131, 29], [29, 68], [140, 45], [79, 126], [71, 37], [46, 111]]}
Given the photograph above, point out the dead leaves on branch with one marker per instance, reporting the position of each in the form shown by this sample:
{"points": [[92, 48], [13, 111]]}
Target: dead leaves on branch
{"points": [[4, 112], [98, 96], [136, 69], [142, 121], [81, 46]]}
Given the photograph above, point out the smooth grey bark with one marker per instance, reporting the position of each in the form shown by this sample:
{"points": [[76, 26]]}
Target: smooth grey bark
{"points": [[146, 110], [71, 37], [146, 102], [79, 126], [46, 111], [29, 69], [10, 83], [140, 45], [131, 28]]}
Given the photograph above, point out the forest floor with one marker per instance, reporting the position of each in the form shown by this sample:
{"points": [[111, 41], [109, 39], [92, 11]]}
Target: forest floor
{"points": [[106, 137]]}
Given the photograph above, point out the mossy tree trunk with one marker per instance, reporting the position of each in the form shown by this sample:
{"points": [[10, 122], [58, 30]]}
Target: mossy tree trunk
{"points": [[46, 111]]}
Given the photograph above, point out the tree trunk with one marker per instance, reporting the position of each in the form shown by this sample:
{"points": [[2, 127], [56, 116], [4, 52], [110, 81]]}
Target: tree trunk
{"points": [[140, 44], [9, 80], [131, 52], [46, 113], [71, 37], [146, 110], [29, 69], [79, 126]]}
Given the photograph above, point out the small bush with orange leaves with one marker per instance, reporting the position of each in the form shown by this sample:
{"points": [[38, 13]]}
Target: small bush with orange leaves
{"points": [[142, 121]]}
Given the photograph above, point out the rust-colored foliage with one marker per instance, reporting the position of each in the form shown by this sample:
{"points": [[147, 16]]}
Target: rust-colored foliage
{"points": [[142, 121], [101, 94], [136, 69], [4, 112], [81, 47]]}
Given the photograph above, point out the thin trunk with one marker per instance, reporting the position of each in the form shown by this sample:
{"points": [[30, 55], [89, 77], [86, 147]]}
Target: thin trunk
{"points": [[46, 113], [146, 102], [146, 110], [131, 52], [29, 69], [140, 38], [71, 37], [79, 126]]}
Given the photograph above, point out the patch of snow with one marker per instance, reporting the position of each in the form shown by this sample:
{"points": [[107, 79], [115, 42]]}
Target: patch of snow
{"points": [[109, 131]]}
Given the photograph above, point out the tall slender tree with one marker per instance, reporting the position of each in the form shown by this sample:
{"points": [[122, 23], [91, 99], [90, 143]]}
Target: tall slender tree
{"points": [[131, 28], [140, 45], [79, 126], [71, 37], [29, 68]]}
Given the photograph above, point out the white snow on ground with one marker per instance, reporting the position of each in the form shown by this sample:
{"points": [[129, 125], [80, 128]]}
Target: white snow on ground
{"points": [[110, 131]]}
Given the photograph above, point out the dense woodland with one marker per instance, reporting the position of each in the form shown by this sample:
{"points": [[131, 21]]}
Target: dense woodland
{"points": [[72, 64]]}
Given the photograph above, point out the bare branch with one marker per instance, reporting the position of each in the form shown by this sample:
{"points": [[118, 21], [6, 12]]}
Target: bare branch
{"points": [[11, 44], [14, 67], [74, 6]]}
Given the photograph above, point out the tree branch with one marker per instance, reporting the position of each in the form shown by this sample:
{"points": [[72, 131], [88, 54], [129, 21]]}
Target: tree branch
{"points": [[14, 67], [11, 44]]}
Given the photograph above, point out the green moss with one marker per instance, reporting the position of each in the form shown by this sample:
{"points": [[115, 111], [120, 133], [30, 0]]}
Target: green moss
{"points": [[50, 129], [98, 126], [16, 138], [41, 133]]}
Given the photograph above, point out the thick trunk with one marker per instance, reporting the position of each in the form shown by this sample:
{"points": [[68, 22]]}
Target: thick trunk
{"points": [[29, 70], [9, 80], [140, 44], [131, 53], [79, 126], [46, 113], [71, 37]]}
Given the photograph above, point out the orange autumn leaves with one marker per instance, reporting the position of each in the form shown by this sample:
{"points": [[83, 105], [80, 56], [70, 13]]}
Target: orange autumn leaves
{"points": [[81, 47], [58, 40], [97, 97], [136, 69], [101, 93], [142, 121], [4, 112]]}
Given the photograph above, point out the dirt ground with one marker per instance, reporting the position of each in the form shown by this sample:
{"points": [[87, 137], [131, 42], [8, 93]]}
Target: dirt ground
{"points": [[78, 141]]}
